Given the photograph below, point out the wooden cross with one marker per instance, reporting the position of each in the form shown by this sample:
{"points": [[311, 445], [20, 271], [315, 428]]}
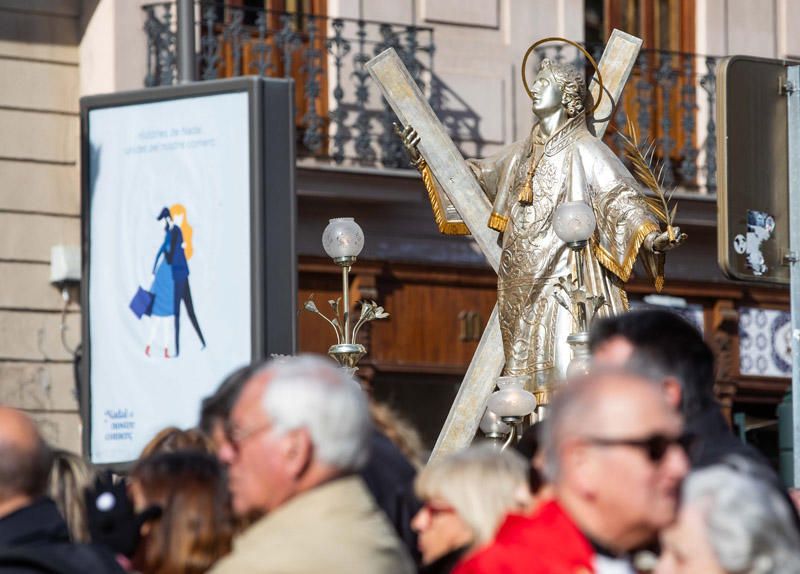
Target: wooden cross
{"points": [[466, 195]]}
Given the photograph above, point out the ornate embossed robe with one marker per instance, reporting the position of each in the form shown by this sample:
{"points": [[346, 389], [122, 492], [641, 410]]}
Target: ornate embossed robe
{"points": [[572, 164]]}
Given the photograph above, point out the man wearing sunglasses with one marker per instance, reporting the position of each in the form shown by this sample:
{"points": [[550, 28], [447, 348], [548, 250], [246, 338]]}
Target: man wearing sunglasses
{"points": [[615, 455], [664, 347]]}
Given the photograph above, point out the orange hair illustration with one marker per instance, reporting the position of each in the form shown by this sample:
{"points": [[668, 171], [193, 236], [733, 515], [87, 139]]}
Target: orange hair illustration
{"points": [[186, 229]]}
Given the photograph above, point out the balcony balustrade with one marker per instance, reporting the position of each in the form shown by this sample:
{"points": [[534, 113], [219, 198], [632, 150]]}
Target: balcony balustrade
{"points": [[343, 120]]}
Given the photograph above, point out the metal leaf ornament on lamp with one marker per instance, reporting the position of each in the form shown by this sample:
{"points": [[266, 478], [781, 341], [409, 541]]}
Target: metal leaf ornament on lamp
{"points": [[343, 241]]}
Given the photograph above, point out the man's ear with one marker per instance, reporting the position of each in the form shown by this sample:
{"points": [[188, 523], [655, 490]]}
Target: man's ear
{"points": [[578, 466], [298, 450], [673, 392]]}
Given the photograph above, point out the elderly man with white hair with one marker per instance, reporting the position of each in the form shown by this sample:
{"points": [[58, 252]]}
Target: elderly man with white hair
{"points": [[299, 435]]}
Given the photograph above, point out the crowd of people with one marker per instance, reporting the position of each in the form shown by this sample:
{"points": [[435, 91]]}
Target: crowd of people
{"points": [[293, 469]]}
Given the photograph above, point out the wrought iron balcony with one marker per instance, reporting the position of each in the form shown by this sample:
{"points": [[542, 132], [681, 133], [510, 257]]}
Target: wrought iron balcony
{"points": [[342, 118]]}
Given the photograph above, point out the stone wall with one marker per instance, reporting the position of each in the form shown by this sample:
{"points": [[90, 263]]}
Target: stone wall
{"points": [[39, 208]]}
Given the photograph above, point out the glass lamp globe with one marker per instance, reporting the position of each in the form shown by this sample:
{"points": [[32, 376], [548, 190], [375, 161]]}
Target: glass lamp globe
{"points": [[343, 239], [512, 400], [492, 425], [574, 222]]}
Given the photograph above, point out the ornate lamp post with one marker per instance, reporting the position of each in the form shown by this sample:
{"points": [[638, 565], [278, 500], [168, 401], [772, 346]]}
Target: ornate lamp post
{"points": [[574, 223], [343, 241]]}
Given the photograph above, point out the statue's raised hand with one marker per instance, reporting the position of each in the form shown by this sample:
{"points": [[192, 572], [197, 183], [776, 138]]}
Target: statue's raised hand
{"points": [[664, 242], [410, 141]]}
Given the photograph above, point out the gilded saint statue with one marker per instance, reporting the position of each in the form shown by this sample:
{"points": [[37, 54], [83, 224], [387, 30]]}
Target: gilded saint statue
{"points": [[560, 160]]}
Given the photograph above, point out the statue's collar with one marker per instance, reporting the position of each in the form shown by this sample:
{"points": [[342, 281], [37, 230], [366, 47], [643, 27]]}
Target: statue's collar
{"points": [[563, 136]]}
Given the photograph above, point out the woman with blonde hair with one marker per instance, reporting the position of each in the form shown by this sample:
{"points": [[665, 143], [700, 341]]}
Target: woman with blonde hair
{"points": [[70, 475], [194, 528], [466, 496]]}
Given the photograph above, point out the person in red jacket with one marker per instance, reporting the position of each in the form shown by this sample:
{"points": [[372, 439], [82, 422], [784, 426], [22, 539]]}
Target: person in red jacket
{"points": [[615, 457]]}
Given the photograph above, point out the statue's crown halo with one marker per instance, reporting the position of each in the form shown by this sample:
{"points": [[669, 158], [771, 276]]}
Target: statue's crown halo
{"points": [[571, 43]]}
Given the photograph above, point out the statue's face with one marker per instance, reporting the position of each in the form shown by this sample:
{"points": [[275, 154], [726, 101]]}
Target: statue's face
{"points": [[546, 94]]}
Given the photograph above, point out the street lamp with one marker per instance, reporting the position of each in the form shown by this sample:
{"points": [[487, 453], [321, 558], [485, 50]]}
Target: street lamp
{"points": [[343, 241]]}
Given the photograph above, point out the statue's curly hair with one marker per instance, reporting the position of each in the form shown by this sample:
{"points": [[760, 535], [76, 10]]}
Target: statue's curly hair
{"points": [[571, 84]]}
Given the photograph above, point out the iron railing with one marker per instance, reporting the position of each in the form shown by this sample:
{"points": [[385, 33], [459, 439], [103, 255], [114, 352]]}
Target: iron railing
{"points": [[342, 118]]}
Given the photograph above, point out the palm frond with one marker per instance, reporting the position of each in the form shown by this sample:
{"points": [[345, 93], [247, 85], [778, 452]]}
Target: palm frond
{"points": [[642, 164]]}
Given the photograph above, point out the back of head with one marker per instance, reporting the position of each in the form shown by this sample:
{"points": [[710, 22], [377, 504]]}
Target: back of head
{"points": [[312, 393], [25, 458], [173, 439], [481, 483], [69, 476], [750, 525], [665, 345], [195, 527]]}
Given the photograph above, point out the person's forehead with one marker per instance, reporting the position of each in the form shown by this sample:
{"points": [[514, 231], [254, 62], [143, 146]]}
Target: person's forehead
{"points": [[249, 403], [634, 408]]}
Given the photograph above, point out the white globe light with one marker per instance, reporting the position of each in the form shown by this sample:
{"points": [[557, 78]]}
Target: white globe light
{"points": [[491, 424], [512, 400], [342, 238], [574, 222]]}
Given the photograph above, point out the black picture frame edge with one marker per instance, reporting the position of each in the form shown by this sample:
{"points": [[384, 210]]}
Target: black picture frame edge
{"points": [[268, 335]]}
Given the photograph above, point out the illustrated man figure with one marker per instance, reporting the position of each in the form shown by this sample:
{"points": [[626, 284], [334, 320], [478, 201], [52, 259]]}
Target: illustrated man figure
{"points": [[614, 456], [299, 434], [559, 161]]}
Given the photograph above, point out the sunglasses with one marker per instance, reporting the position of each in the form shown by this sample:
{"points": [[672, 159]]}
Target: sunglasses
{"points": [[655, 446]]}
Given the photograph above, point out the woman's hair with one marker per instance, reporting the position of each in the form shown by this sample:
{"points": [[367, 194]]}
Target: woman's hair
{"points": [[481, 483], [186, 229], [69, 476], [750, 525], [172, 439], [195, 526]]}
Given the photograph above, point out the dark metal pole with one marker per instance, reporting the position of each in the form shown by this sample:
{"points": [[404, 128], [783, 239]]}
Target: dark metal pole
{"points": [[186, 61]]}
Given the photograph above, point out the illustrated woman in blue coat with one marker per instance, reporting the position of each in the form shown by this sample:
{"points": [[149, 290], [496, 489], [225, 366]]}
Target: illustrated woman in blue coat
{"points": [[163, 290]]}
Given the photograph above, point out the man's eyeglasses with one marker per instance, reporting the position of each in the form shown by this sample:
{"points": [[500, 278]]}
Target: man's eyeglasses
{"points": [[655, 446]]}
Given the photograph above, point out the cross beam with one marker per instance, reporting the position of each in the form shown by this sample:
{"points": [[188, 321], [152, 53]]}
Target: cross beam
{"points": [[466, 195]]}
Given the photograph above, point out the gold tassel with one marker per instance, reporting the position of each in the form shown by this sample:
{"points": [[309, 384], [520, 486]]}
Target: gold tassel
{"points": [[526, 195], [498, 222]]}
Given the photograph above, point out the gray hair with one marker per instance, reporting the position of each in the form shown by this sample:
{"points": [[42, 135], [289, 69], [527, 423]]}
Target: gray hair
{"points": [[482, 483], [312, 393], [750, 525]]}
